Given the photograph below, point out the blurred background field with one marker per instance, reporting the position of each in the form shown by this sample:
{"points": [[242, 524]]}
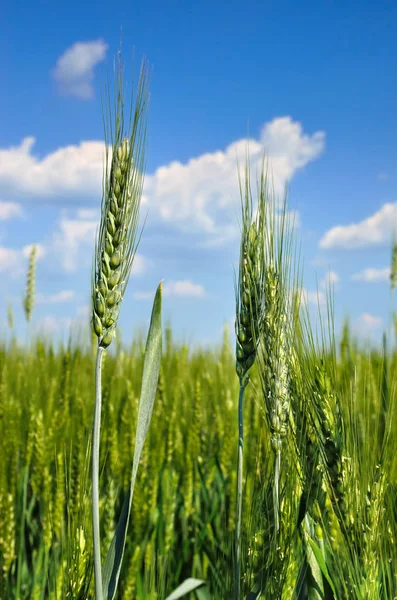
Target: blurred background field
{"points": [[184, 503]]}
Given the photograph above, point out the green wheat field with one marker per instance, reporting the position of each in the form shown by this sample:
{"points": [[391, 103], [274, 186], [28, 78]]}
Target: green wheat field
{"points": [[267, 470]]}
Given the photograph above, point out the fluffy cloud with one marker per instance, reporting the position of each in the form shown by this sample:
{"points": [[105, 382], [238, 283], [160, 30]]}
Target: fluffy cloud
{"points": [[72, 171], [10, 260], [9, 210], [49, 325], [13, 261], [197, 196], [331, 278], [74, 240], [367, 328], [40, 251], [140, 265], [371, 231], [73, 236], [373, 275], [74, 69], [184, 289], [181, 289], [313, 297], [369, 321], [60, 297]]}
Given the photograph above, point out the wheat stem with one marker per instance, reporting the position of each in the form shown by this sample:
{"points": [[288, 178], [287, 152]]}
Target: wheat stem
{"points": [[239, 501], [276, 486], [95, 476], [22, 530]]}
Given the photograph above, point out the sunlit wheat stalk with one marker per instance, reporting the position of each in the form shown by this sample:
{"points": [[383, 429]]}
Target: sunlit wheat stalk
{"points": [[248, 311], [115, 251]]}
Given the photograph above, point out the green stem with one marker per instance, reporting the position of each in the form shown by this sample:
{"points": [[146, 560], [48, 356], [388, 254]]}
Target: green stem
{"points": [[275, 490], [95, 477], [239, 492], [22, 530]]}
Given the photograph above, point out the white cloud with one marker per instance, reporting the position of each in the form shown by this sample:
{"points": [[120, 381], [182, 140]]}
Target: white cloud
{"points": [[197, 196], [74, 70], [183, 289], [373, 275], [69, 171], [373, 230], [370, 321], [194, 195], [84, 311], [74, 242], [140, 265], [180, 289], [320, 261], [71, 237], [49, 325], [10, 260], [60, 297], [40, 251], [331, 278], [13, 261], [10, 210], [88, 213], [313, 297], [143, 295], [367, 328]]}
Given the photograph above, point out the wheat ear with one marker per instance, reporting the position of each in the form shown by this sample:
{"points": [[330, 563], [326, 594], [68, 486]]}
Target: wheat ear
{"points": [[28, 300], [114, 254]]}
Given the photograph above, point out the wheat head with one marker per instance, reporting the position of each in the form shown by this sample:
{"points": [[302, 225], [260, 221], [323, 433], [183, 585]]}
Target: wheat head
{"points": [[28, 300], [116, 242]]}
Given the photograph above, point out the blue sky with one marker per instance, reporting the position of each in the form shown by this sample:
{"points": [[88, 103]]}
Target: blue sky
{"points": [[310, 83]]}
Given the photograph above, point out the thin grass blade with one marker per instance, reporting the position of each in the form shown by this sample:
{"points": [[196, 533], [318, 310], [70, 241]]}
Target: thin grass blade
{"points": [[322, 564], [190, 585]]}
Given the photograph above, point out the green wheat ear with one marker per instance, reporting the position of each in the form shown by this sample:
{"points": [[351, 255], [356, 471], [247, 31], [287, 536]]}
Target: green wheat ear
{"points": [[122, 189], [250, 283], [28, 300]]}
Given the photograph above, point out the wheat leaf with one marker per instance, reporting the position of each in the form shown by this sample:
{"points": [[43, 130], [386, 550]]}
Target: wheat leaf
{"points": [[151, 370], [190, 585]]}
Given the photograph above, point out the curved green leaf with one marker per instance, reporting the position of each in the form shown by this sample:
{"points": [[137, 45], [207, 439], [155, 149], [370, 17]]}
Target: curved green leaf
{"points": [[315, 581], [190, 585], [151, 370], [321, 563]]}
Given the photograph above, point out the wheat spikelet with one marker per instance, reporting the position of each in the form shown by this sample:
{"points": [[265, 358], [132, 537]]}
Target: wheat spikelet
{"points": [[275, 354], [59, 495], [108, 519], [330, 426], [7, 533], [131, 579], [38, 453], [247, 309], [28, 300]]}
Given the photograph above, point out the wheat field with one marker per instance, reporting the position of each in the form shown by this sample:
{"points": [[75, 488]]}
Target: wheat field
{"points": [[269, 469]]}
